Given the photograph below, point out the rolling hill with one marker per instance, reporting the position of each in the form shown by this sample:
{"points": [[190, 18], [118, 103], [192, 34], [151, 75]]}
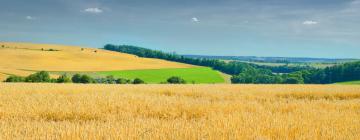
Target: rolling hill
{"points": [[23, 59]]}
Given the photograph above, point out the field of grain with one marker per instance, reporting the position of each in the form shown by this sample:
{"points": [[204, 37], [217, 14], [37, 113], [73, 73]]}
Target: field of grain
{"points": [[69, 111], [24, 58]]}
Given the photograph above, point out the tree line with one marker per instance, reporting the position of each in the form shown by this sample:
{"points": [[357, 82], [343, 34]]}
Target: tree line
{"points": [[251, 73], [44, 77], [232, 68]]}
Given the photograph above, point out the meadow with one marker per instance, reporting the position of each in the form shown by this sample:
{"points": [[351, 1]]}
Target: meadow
{"points": [[191, 75], [77, 111]]}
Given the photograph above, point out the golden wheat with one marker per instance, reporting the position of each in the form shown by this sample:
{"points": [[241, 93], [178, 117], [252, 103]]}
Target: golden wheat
{"points": [[23, 58], [70, 111]]}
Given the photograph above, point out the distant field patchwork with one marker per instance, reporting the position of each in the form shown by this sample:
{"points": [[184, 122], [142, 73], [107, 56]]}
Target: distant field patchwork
{"points": [[196, 74]]}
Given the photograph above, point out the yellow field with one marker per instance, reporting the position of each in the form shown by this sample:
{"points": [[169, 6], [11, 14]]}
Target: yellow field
{"points": [[69, 111], [19, 58]]}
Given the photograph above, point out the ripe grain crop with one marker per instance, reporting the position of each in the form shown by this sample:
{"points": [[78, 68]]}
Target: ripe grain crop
{"points": [[70, 111], [24, 58]]}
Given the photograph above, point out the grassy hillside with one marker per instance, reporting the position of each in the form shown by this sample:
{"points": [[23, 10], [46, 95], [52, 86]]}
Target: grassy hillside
{"points": [[197, 75], [76, 111], [24, 58]]}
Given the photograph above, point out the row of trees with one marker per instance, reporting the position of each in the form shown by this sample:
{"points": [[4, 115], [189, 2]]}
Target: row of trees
{"points": [[44, 77], [338, 73], [232, 68]]}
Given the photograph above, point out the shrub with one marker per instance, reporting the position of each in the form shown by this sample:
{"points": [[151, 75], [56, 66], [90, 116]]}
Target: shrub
{"points": [[110, 79], [138, 81], [14, 78], [123, 81], [76, 78], [85, 79], [292, 80], [176, 80], [63, 79], [39, 77]]}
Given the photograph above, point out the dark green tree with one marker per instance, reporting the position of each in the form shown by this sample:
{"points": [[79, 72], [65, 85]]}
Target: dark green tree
{"points": [[39, 77], [176, 80], [138, 81], [76, 78], [123, 81], [110, 79], [14, 78], [86, 79], [63, 79]]}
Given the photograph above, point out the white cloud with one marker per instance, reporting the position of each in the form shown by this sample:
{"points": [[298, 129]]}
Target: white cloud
{"points": [[93, 10], [29, 18], [194, 19], [310, 22], [355, 2]]}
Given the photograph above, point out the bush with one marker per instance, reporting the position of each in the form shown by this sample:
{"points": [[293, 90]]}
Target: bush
{"points": [[63, 79], [138, 81], [292, 80], [76, 78], [14, 78], [110, 79], [176, 80], [39, 77], [85, 79], [123, 81]]}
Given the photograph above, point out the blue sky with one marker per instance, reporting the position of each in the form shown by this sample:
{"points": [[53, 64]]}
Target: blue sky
{"points": [[291, 28]]}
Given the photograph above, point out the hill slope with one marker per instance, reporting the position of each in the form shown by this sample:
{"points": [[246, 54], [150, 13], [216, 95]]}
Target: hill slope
{"points": [[23, 58]]}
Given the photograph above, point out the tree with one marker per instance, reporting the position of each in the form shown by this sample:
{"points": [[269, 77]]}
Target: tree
{"points": [[123, 81], [138, 81], [85, 79], [110, 79], [14, 78], [176, 80], [76, 78], [38, 77], [292, 80], [63, 79]]}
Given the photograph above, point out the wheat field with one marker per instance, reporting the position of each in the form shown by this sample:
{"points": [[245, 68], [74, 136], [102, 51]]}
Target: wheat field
{"points": [[30, 57], [70, 111]]}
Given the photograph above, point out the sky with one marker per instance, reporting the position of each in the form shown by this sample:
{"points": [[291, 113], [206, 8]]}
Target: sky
{"points": [[287, 28]]}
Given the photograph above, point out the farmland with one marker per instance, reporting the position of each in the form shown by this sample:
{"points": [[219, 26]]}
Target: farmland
{"points": [[24, 58], [76, 111], [191, 75]]}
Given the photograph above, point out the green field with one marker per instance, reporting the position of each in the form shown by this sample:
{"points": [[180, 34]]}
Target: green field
{"points": [[349, 83], [196, 75]]}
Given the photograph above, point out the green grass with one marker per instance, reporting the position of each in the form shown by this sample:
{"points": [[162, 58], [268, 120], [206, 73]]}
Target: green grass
{"points": [[349, 83], [198, 75]]}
